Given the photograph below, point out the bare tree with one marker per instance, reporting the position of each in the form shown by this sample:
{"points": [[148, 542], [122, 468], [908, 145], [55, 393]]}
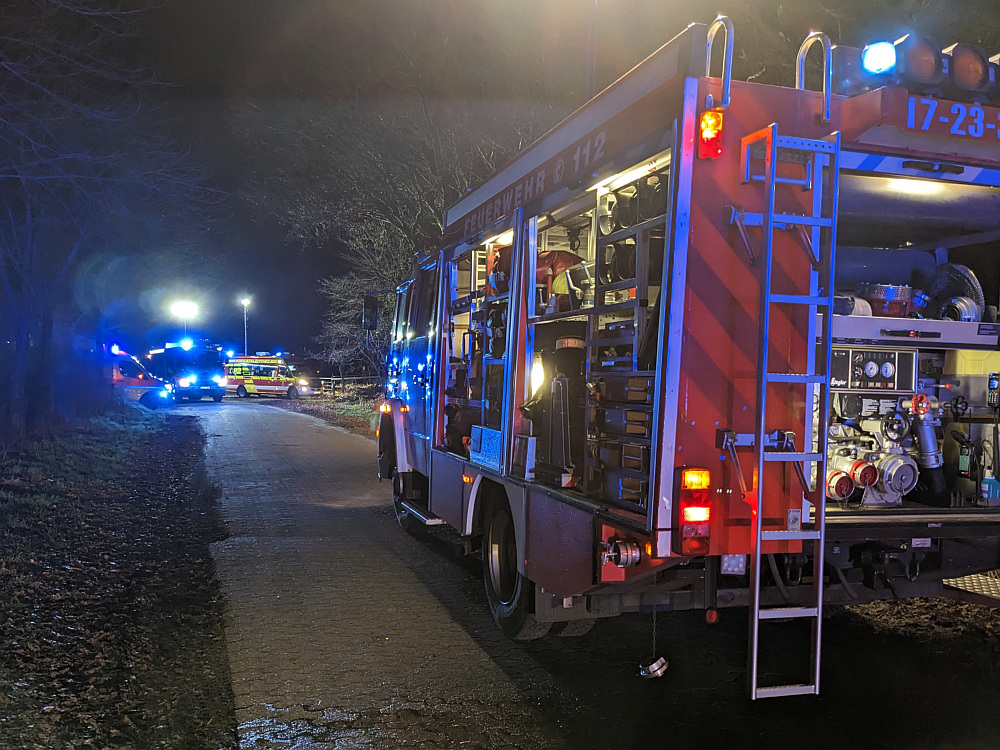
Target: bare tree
{"points": [[80, 152], [369, 182]]}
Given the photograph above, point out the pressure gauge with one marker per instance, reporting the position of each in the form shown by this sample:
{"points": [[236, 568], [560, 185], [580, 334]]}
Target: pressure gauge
{"points": [[888, 370], [871, 369]]}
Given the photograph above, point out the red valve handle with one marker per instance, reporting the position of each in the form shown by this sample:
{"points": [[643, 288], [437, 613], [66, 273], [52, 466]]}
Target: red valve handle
{"points": [[919, 404]]}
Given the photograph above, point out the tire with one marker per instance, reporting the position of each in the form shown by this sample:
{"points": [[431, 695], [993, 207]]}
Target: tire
{"points": [[511, 596], [148, 401], [574, 628], [241, 392], [404, 518], [293, 392], [218, 398]]}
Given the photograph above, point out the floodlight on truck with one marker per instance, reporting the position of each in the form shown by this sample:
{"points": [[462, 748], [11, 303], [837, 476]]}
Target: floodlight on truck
{"points": [[879, 58]]}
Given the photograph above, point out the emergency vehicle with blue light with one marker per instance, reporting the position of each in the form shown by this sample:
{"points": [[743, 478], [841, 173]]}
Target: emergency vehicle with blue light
{"points": [[264, 375], [711, 344], [133, 382], [194, 369]]}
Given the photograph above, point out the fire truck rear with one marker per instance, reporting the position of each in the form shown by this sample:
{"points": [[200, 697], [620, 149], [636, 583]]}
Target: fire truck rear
{"points": [[713, 344]]}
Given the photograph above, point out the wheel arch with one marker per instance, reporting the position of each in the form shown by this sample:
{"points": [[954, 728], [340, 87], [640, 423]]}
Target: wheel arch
{"points": [[486, 490]]}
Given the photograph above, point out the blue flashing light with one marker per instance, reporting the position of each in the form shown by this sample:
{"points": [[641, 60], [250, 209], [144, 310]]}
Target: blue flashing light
{"points": [[115, 349], [230, 353], [186, 344], [878, 58], [277, 354]]}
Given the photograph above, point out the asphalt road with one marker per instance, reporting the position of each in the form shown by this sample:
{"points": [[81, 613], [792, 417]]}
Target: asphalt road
{"points": [[346, 632]]}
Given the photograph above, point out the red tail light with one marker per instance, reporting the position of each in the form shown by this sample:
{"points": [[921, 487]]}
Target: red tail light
{"points": [[710, 135], [386, 408], [696, 514], [694, 511]]}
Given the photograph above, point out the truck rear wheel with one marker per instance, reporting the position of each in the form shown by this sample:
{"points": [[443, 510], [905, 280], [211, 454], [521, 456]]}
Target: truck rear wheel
{"points": [[403, 516], [511, 596], [241, 392]]}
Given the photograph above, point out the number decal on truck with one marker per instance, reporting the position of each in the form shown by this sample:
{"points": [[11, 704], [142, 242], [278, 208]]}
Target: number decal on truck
{"points": [[969, 120]]}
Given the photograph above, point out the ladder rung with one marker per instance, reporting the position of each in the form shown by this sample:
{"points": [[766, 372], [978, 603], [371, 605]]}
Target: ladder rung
{"points": [[809, 221], [805, 144], [782, 456], [779, 691], [787, 613], [757, 220], [800, 299], [802, 182], [789, 536], [792, 377]]}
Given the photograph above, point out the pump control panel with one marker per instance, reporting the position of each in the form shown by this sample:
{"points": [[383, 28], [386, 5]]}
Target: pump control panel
{"points": [[884, 370]]}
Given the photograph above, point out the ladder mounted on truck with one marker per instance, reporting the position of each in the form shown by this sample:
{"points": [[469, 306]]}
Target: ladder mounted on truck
{"points": [[820, 160]]}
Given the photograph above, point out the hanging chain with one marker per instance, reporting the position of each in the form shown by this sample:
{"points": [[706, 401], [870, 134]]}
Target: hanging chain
{"points": [[653, 657]]}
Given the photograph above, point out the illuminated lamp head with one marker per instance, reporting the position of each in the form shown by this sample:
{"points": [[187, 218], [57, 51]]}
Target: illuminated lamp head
{"points": [[879, 58], [186, 344], [710, 134], [970, 69], [919, 60]]}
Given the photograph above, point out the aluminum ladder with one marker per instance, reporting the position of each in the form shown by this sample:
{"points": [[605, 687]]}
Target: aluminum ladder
{"points": [[817, 231]]}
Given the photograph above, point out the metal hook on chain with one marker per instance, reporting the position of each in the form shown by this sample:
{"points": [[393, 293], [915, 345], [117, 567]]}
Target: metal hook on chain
{"points": [[658, 666]]}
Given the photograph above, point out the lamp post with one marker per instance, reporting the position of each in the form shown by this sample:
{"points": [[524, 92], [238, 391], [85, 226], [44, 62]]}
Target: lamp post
{"points": [[246, 303], [184, 309]]}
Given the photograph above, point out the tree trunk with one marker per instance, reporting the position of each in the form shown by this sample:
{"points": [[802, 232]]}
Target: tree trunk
{"points": [[44, 378], [17, 397]]}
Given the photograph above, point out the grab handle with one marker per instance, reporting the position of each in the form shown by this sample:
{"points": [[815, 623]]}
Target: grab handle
{"points": [[800, 70], [721, 22]]}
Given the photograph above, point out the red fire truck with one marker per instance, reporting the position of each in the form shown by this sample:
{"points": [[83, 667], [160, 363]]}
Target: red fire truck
{"points": [[713, 344]]}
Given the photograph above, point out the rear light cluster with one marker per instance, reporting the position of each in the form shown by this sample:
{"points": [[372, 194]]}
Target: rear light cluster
{"points": [[710, 134], [694, 510], [960, 71]]}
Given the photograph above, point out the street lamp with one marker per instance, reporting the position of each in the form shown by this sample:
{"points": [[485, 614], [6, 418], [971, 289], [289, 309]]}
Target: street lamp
{"points": [[184, 309], [246, 303]]}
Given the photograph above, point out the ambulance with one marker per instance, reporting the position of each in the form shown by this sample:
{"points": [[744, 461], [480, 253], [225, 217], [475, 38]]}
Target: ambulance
{"points": [[264, 376]]}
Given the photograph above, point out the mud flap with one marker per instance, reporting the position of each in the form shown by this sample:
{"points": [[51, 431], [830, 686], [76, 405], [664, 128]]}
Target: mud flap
{"points": [[386, 446]]}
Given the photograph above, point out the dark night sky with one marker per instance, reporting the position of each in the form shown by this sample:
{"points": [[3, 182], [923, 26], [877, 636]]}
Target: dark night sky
{"points": [[221, 51], [226, 51]]}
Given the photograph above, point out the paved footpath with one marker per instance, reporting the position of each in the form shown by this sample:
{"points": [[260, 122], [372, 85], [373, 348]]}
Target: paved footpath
{"points": [[345, 632], [342, 629]]}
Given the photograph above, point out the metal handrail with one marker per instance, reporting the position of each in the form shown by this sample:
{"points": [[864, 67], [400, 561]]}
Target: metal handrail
{"points": [[800, 70], [721, 22]]}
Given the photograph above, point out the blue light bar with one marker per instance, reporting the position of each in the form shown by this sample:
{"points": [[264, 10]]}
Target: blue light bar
{"points": [[878, 58]]}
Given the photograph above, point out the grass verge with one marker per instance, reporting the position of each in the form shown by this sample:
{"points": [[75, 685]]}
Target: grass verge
{"points": [[111, 621]]}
